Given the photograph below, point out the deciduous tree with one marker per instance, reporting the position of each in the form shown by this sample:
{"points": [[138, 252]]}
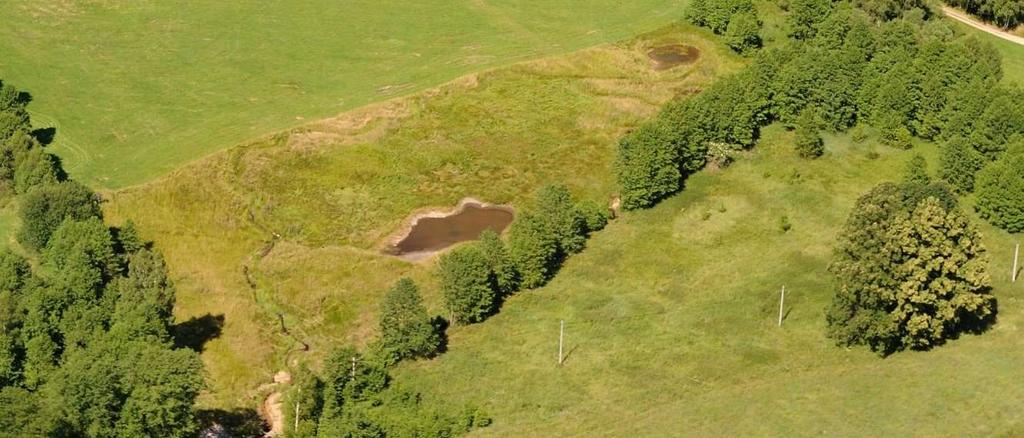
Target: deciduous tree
{"points": [[503, 269], [909, 275], [45, 207], [554, 205], [647, 166], [1001, 192], [744, 32], [534, 250], [466, 285], [808, 141]]}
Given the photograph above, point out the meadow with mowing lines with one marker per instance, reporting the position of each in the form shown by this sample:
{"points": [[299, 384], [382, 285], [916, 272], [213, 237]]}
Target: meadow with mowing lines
{"points": [[136, 89], [334, 191]]}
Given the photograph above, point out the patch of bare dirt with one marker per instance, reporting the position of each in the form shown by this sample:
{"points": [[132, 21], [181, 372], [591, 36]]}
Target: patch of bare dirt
{"points": [[354, 127], [271, 409]]}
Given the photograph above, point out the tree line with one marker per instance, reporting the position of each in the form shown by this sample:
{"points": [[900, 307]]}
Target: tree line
{"points": [[842, 69], [855, 66], [86, 310], [1005, 13]]}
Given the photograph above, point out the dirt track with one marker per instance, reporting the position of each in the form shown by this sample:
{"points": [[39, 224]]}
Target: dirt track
{"points": [[984, 27]]}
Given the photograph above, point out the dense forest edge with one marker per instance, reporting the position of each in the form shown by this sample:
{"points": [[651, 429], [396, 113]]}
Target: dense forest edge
{"points": [[88, 342]]}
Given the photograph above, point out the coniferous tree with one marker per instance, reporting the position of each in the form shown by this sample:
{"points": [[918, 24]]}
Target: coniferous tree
{"points": [[145, 298], [959, 163], [405, 328], [916, 171]]}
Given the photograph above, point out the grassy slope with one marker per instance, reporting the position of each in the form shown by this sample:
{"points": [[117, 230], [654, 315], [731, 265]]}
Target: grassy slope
{"points": [[138, 88], [662, 296], [671, 324], [671, 321], [334, 189]]}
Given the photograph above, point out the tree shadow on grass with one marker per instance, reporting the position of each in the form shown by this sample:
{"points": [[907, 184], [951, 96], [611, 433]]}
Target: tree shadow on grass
{"points": [[238, 422], [44, 136], [976, 326], [196, 332], [441, 328], [565, 359]]}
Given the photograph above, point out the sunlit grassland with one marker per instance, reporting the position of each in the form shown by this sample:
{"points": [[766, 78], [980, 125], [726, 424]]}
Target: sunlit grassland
{"points": [[335, 190], [671, 323], [138, 88]]}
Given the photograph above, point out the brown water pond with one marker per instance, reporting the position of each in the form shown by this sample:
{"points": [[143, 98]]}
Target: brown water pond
{"points": [[434, 233], [666, 57]]}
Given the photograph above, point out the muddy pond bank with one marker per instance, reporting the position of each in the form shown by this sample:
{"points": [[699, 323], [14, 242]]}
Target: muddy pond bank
{"points": [[434, 231]]}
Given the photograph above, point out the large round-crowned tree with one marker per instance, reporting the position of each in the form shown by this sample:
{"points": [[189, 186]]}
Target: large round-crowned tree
{"points": [[911, 272]]}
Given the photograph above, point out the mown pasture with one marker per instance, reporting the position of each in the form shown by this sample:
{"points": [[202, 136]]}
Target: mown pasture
{"points": [[138, 88]]}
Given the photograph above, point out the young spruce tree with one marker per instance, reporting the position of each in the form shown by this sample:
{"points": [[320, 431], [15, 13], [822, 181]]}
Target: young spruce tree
{"points": [[405, 328]]}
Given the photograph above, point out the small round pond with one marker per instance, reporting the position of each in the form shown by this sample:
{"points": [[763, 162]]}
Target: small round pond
{"points": [[430, 233], [666, 57]]}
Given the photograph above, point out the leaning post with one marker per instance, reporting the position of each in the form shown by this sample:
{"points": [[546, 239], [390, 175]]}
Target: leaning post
{"points": [[782, 303], [1016, 253]]}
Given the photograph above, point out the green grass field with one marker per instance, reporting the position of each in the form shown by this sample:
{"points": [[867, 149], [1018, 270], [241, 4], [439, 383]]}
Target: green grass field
{"points": [[334, 190], [671, 324], [138, 88], [670, 312], [661, 296]]}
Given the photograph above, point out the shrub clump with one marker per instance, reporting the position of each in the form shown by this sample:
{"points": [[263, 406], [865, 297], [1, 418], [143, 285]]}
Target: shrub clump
{"points": [[809, 143]]}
